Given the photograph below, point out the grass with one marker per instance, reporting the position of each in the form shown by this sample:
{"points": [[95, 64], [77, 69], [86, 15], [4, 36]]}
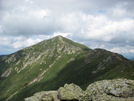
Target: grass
{"points": [[62, 71]]}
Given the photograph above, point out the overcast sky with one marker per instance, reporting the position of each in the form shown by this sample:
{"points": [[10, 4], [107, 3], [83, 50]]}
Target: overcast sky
{"points": [[107, 24]]}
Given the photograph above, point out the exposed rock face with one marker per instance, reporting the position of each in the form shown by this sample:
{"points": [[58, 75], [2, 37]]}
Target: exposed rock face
{"points": [[6, 73], [44, 96], [106, 90], [70, 92], [111, 90]]}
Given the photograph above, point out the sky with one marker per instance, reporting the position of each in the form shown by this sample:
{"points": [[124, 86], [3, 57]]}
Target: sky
{"points": [[107, 24]]}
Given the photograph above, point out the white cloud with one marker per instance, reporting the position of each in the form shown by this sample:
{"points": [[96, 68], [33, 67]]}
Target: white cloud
{"points": [[29, 1], [4, 41], [1, 30], [118, 50], [25, 21], [18, 42], [115, 50], [62, 34], [118, 12], [132, 51], [26, 0], [40, 14], [123, 50], [24, 12], [123, 11], [105, 24], [21, 42]]}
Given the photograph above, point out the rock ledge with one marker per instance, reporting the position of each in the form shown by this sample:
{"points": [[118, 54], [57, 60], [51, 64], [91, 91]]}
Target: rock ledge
{"points": [[105, 90]]}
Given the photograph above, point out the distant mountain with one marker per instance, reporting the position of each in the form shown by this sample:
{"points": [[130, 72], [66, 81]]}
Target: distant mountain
{"points": [[51, 63], [2, 55], [132, 59]]}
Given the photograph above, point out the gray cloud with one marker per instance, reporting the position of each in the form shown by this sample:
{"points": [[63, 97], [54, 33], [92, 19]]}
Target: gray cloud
{"points": [[95, 23]]}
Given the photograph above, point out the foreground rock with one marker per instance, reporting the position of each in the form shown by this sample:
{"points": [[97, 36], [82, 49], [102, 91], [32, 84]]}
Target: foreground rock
{"points": [[106, 90], [72, 92], [44, 96], [112, 90]]}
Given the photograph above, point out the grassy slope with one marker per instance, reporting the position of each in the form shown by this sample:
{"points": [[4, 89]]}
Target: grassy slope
{"points": [[73, 72], [63, 71], [16, 81]]}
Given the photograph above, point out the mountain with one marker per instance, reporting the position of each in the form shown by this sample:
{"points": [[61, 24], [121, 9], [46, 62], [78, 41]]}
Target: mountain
{"points": [[51, 63], [1, 56], [132, 59]]}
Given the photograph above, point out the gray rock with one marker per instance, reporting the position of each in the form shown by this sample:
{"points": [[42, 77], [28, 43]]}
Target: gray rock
{"points": [[70, 92], [105, 90], [111, 90], [47, 97], [44, 96]]}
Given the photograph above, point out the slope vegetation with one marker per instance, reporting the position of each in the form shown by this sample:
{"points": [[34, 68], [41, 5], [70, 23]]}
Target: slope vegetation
{"points": [[51, 63]]}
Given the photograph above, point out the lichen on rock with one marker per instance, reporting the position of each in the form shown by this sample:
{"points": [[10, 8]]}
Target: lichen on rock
{"points": [[111, 89], [70, 92], [47, 97], [105, 90], [44, 96]]}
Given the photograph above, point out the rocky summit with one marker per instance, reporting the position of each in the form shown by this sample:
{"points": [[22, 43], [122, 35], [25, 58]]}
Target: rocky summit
{"points": [[55, 62], [105, 90]]}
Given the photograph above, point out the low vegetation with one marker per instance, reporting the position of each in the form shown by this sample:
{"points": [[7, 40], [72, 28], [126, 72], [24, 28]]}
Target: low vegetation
{"points": [[51, 63]]}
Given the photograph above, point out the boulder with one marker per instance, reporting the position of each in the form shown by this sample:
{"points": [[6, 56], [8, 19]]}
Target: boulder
{"points": [[36, 96], [44, 96], [111, 90], [47, 97], [105, 90], [72, 92]]}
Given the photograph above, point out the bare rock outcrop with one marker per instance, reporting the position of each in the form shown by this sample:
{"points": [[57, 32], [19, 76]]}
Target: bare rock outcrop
{"points": [[71, 92], [111, 90], [44, 96], [105, 90]]}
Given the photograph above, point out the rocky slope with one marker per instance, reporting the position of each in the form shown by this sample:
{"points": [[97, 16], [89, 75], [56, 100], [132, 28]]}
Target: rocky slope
{"points": [[105, 90], [51, 63]]}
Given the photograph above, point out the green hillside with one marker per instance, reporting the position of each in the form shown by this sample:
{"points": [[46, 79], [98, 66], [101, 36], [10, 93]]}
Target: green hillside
{"points": [[51, 63]]}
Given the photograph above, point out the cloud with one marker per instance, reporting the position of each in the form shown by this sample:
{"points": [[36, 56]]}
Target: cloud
{"points": [[23, 21], [105, 24], [11, 44], [62, 34], [1, 30], [21, 42], [127, 52]]}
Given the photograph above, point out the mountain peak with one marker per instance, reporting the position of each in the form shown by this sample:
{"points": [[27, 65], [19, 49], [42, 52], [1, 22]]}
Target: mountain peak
{"points": [[62, 42], [59, 37], [50, 48], [54, 62]]}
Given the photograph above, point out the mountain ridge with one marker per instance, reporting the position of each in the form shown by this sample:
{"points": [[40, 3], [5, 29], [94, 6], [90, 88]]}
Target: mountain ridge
{"points": [[2, 56], [51, 63], [132, 59]]}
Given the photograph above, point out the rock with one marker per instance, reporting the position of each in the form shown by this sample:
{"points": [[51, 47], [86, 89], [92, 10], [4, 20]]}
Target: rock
{"points": [[36, 96], [105, 90], [111, 90], [44, 96], [47, 97], [72, 92], [6, 73]]}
